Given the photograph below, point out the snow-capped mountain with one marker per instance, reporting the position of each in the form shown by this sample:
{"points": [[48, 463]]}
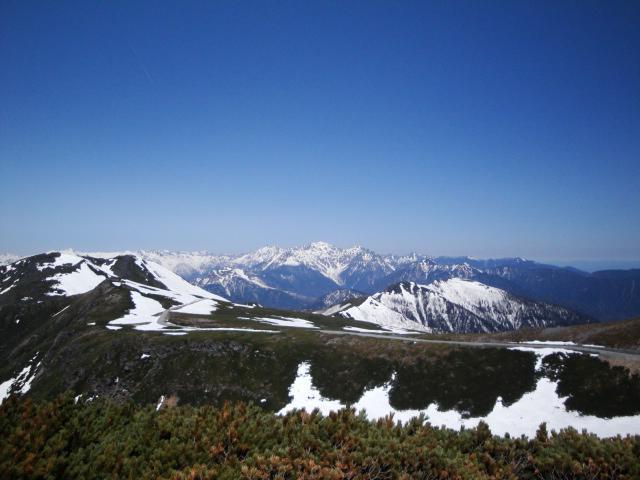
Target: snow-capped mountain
{"points": [[185, 264], [283, 277], [455, 305], [341, 266]]}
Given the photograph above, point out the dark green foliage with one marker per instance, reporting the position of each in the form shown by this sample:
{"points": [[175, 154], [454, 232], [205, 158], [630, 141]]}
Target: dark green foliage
{"points": [[64, 439], [469, 381], [586, 381], [339, 374]]}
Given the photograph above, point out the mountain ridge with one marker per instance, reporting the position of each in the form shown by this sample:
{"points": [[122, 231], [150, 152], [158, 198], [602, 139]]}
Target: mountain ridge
{"points": [[455, 306]]}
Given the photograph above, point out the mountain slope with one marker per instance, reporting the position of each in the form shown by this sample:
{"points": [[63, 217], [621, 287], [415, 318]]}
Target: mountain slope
{"points": [[54, 303], [236, 283], [456, 305], [37, 289]]}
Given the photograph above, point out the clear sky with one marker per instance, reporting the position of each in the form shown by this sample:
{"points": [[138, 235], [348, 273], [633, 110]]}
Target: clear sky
{"points": [[479, 128]]}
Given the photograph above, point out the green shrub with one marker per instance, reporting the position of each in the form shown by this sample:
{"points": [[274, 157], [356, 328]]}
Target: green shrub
{"points": [[98, 439]]}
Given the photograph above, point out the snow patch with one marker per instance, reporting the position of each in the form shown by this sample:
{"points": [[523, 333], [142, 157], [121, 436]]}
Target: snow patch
{"points": [[21, 383], [385, 330], [63, 259], [143, 315], [306, 396], [199, 307], [286, 322], [79, 281], [150, 316]]}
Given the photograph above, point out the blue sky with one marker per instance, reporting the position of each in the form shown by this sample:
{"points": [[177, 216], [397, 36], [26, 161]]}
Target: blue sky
{"points": [[479, 128]]}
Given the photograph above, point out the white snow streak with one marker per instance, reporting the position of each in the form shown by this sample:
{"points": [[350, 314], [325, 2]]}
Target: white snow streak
{"points": [[58, 313], [143, 315], [199, 307], [385, 330], [8, 288], [286, 322]]}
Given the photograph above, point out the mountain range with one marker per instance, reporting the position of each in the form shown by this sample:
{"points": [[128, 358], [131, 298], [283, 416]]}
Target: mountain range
{"points": [[304, 277], [319, 275]]}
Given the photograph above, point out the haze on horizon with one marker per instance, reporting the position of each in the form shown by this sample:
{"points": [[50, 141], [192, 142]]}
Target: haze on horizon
{"points": [[448, 128]]}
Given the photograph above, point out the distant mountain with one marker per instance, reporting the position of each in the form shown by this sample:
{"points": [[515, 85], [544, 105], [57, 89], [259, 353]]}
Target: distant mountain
{"points": [[298, 278], [426, 271], [455, 306], [336, 297], [607, 295], [283, 277]]}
